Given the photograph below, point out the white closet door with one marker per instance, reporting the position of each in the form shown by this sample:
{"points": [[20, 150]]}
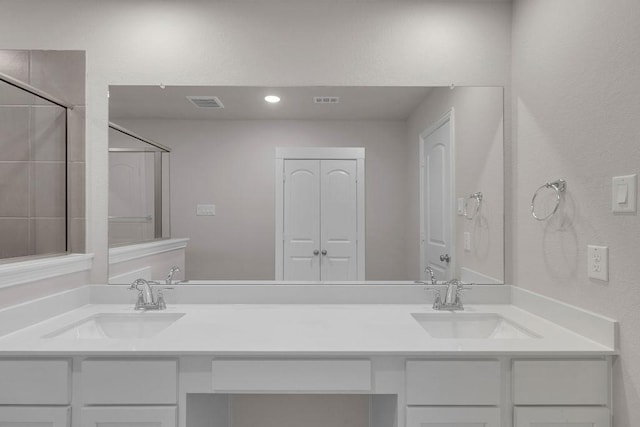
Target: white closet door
{"points": [[338, 207], [301, 220]]}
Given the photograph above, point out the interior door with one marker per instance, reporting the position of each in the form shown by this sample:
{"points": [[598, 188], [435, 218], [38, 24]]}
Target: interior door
{"points": [[437, 195], [301, 220], [339, 220], [131, 189]]}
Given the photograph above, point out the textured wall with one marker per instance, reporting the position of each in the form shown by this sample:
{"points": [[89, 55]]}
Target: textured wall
{"points": [[576, 100]]}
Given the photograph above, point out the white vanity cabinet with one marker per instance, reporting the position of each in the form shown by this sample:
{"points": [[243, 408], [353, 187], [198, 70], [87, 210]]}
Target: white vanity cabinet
{"points": [[453, 392], [136, 383], [579, 391], [129, 381], [35, 392]]}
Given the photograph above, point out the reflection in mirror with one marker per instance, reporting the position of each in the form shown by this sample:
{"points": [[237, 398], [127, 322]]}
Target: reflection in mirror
{"points": [[138, 188], [419, 203]]}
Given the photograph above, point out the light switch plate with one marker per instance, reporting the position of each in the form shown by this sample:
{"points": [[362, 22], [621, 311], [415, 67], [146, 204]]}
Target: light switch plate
{"points": [[205, 210], [460, 205], [467, 241], [624, 190], [598, 262]]}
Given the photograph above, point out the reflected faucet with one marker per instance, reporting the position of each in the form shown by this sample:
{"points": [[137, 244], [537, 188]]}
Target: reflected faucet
{"points": [[429, 270], [172, 271]]}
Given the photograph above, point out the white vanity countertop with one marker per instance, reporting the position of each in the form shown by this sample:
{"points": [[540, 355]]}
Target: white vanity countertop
{"points": [[299, 330]]}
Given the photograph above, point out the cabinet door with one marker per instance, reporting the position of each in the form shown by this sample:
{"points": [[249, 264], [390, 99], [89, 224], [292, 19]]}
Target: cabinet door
{"points": [[29, 416], [453, 417], [121, 416], [562, 416], [339, 220]]}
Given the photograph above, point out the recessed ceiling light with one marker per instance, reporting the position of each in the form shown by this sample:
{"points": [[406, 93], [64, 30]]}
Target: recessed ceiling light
{"points": [[272, 99]]}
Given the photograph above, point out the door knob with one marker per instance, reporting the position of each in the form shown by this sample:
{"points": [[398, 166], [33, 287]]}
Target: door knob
{"points": [[316, 252], [324, 252], [446, 258]]}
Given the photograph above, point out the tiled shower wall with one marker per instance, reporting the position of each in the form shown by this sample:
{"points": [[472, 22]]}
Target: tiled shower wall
{"points": [[32, 156]]}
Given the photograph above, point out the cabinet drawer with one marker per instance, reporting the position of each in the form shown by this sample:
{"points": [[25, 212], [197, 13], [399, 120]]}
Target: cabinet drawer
{"points": [[561, 416], [40, 416], [129, 416], [35, 382], [129, 382], [452, 417], [460, 382], [560, 382], [291, 375]]}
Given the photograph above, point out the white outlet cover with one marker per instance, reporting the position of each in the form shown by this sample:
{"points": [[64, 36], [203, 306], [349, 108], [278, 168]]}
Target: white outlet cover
{"points": [[598, 262]]}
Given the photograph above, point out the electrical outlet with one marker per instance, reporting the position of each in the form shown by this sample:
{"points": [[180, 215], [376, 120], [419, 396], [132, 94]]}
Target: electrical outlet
{"points": [[598, 262]]}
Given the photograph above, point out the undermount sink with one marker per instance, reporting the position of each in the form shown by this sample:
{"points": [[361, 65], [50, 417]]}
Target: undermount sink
{"points": [[471, 325], [117, 326]]}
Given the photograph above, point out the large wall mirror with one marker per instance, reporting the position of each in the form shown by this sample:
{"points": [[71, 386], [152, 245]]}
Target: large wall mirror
{"points": [[424, 163]]}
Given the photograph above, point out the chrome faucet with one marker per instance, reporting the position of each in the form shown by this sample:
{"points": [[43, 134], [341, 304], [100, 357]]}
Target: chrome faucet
{"points": [[452, 299], [172, 271], [146, 299]]}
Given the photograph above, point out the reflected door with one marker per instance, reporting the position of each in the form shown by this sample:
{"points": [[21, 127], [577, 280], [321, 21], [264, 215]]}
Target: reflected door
{"points": [[436, 210], [302, 220], [131, 203], [338, 220], [320, 220]]}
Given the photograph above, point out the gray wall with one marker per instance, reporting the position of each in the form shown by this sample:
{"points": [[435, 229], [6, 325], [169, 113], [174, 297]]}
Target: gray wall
{"points": [[576, 100]]}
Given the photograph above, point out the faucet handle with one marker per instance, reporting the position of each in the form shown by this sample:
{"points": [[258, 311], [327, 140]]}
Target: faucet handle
{"points": [[162, 304]]}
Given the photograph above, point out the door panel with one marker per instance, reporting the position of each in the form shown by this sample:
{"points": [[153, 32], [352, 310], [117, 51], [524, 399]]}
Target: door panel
{"points": [[339, 220], [301, 219], [438, 216]]}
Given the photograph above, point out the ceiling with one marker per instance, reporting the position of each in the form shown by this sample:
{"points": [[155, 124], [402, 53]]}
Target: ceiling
{"points": [[247, 103]]}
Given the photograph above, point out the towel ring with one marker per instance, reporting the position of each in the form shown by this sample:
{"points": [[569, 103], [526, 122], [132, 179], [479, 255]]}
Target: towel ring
{"points": [[478, 198], [559, 187]]}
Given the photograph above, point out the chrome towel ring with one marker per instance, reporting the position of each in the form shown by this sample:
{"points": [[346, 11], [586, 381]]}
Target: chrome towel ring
{"points": [[559, 187], [478, 198]]}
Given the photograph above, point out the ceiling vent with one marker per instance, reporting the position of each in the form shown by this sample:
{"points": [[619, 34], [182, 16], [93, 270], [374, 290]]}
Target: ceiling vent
{"points": [[205, 101], [326, 99]]}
